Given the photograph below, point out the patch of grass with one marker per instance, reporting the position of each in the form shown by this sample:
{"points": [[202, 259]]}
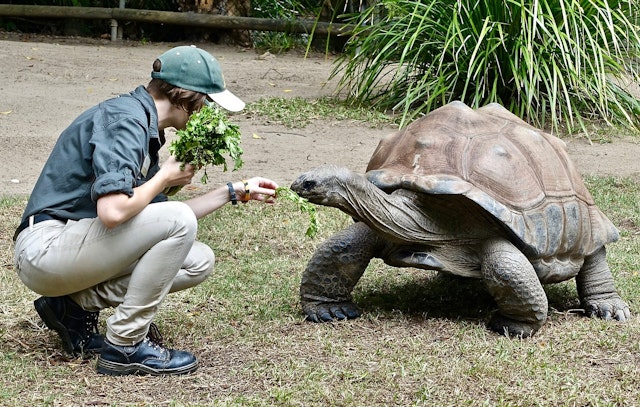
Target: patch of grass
{"points": [[299, 112], [280, 42], [619, 198], [277, 42], [421, 341]]}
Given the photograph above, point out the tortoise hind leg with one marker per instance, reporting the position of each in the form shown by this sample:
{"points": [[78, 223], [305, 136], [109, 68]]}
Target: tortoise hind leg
{"points": [[596, 289], [514, 284], [333, 272]]}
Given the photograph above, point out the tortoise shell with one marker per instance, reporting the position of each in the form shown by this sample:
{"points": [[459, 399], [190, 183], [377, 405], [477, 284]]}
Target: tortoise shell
{"points": [[519, 174]]}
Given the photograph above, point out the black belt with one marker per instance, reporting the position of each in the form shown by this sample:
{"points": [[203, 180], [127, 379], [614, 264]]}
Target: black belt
{"points": [[41, 217]]}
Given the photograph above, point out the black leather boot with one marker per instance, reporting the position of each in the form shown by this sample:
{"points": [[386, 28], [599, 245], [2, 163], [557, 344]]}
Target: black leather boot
{"points": [[77, 328], [146, 357]]}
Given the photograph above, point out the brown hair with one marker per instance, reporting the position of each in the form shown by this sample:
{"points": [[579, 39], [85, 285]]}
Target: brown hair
{"points": [[188, 100]]}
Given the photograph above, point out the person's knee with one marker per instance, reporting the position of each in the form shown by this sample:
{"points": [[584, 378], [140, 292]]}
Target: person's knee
{"points": [[182, 211], [181, 215], [198, 266], [207, 259]]}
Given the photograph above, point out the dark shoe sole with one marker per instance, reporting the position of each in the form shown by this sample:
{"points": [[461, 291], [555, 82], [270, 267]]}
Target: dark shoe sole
{"points": [[121, 369], [51, 321]]}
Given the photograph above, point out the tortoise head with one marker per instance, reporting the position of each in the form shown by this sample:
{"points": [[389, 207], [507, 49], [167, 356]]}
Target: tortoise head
{"points": [[327, 185]]}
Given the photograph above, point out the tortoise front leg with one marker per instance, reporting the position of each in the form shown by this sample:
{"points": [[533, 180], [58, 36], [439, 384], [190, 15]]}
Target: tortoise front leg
{"points": [[596, 289], [334, 270], [514, 284]]}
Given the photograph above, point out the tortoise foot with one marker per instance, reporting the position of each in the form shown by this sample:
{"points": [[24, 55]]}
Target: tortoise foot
{"points": [[513, 328], [608, 308], [330, 311]]}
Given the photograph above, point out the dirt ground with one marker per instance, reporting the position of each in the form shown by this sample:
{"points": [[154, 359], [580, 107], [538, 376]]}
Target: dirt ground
{"points": [[45, 82]]}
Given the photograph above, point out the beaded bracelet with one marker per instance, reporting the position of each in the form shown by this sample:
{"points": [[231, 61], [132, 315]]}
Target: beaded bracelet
{"points": [[232, 194], [247, 192]]}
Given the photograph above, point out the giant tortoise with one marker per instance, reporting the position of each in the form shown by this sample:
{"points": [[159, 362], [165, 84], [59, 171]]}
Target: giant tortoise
{"points": [[475, 193]]}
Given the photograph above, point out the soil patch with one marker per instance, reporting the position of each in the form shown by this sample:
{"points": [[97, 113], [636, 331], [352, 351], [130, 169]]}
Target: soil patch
{"points": [[47, 81]]}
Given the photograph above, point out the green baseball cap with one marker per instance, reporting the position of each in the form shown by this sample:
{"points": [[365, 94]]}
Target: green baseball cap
{"points": [[192, 68]]}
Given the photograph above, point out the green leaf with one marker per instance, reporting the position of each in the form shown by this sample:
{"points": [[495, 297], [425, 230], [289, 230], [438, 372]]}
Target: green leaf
{"points": [[205, 140], [303, 205]]}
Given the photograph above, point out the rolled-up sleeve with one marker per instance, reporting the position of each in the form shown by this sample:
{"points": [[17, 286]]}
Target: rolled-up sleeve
{"points": [[118, 157], [112, 182]]}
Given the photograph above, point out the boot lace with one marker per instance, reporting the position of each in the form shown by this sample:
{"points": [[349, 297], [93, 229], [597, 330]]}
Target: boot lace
{"points": [[90, 326], [154, 338], [154, 335]]}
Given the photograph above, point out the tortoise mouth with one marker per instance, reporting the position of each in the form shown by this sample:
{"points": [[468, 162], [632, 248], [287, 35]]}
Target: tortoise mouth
{"points": [[308, 189], [302, 186]]}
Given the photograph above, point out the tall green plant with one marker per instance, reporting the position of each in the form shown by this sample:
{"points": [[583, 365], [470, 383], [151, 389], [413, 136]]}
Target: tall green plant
{"points": [[279, 42], [557, 63]]}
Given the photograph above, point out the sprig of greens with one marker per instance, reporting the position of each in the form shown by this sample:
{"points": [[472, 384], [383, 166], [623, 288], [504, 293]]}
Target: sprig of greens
{"points": [[303, 205], [207, 137]]}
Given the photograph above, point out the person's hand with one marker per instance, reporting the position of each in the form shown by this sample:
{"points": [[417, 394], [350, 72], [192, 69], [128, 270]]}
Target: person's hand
{"points": [[176, 173], [260, 189]]}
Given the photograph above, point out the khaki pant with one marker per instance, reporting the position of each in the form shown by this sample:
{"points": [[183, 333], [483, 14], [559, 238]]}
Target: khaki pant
{"points": [[131, 267]]}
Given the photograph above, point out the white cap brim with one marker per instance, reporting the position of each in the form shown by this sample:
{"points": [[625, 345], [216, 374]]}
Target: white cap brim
{"points": [[227, 100]]}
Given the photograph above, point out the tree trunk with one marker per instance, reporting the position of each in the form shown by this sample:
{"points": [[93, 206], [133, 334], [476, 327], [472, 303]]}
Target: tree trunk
{"points": [[240, 8]]}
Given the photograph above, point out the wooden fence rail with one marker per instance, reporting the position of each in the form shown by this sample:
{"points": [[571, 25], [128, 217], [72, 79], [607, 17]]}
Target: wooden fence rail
{"points": [[175, 18]]}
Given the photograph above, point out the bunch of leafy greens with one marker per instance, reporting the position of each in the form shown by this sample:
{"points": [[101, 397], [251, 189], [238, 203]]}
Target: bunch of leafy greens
{"points": [[206, 139], [303, 205]]}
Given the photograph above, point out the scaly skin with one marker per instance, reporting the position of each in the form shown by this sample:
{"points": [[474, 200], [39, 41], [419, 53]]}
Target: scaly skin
{"points": [[596, 290], [334, 270], [513, 283], [393, 224]]}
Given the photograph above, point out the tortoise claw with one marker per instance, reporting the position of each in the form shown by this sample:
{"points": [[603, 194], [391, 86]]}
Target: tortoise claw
{"points": [[327, 312], [324, 315], [622, 315], [312, 318], [614, 308], [336, 311], [513, 328]]}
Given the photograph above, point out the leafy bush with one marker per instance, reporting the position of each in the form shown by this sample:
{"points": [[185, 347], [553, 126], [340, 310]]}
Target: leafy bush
{"points": [[279, 42], [557, 63]]}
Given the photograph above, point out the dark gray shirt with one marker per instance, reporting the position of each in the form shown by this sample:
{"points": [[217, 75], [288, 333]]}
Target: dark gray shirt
{"points": [[112, 147]]}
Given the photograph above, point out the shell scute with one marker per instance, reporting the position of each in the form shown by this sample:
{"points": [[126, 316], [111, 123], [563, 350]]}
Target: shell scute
{"points": [[519, 174]]}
